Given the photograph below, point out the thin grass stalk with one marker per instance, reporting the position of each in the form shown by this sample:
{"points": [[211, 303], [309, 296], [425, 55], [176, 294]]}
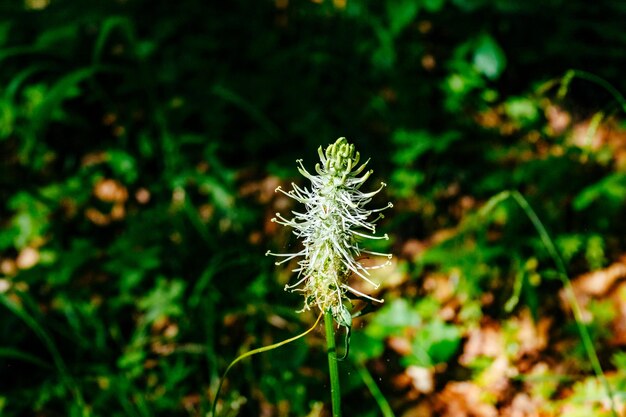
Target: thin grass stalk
{"points": [[333, 370], [379, 397], [571, 297], [254, 352]]}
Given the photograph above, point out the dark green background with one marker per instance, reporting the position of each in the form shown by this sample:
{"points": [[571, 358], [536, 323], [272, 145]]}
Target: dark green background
{"points": [[192, 112]]}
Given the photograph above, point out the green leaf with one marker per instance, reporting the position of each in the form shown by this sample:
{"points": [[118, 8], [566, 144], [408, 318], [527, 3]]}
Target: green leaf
{"points": [[384, 56], [57, 37], [23, 356], [489, 59], [132, 361], [569, 245], [401, 13], [433, 5], [123, 24], [595, 252], [366, 347], [393, 318], [619, 360], [123, 165], [61, 90], [5, 28], [405, 182], [69, 261], [30, 220], [7, 118], [522, 110], [612, 189], [469, 5], [163, 301], [412, 144], [435, 343]]}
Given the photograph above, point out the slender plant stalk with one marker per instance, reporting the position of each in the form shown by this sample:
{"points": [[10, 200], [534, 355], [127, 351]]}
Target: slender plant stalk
{"points": [[335, 391], [575, 73], [569, 291], [254, 352], [548, 243], [379, 397], [65, 376]]}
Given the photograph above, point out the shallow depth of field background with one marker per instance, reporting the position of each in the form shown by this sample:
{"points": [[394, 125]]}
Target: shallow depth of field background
{"points": [[140, 146]]}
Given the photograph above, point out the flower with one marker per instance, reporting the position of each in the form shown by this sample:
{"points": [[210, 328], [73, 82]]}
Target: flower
{"points": [[335, 220]]}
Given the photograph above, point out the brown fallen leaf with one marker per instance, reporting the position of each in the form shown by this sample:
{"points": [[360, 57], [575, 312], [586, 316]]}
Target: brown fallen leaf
{"points": [[609, 282], [558, 119], [619, 322], [483, 341], [421, 409], [521, 406], [598, 283], [532, 336], [423, 379], [463, 399]]}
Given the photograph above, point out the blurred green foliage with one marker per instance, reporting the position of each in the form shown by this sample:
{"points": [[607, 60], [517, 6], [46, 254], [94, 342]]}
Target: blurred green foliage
{"points": [[141, 141]]}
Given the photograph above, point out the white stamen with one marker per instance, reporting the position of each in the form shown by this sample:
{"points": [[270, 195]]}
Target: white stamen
{"points": [[331, 227]]}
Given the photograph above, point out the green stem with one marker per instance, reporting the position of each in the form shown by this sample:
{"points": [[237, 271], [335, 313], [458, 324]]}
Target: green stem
{"points": [[254, 352], [569, 291], [380, 399], [548, 243], [335, 392], [571, 74]]}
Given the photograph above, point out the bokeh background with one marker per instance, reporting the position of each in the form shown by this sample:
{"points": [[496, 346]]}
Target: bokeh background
{"points": [[140, 146]]}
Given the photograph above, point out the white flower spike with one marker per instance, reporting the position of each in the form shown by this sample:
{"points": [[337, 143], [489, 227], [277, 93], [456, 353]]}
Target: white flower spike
{"points": [[334, 223]]}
